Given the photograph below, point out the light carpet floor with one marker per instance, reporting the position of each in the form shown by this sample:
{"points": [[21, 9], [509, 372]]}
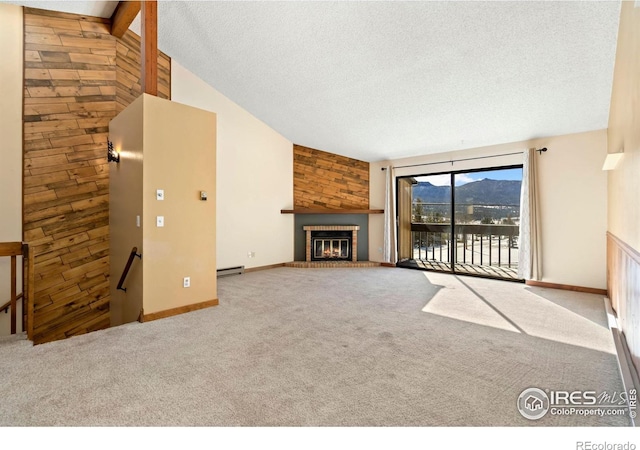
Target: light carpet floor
{"points": [[324, 347]]}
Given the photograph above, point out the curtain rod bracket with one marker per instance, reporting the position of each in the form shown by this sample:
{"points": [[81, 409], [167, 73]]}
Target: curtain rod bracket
{"points": [[540, 150]]}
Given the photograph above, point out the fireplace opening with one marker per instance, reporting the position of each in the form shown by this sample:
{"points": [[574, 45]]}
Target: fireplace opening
{"points": [[331, 245]]}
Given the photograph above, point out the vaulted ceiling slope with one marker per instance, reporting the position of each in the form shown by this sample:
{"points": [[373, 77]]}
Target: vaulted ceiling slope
{"points": [[377, 80]]}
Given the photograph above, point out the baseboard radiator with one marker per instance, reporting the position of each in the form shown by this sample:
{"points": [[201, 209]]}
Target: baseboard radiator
{"points": [[238, 270]]}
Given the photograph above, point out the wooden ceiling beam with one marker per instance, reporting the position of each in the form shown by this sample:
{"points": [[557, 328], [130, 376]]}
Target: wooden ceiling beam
{"points": [[124, 14], [149, 47]]}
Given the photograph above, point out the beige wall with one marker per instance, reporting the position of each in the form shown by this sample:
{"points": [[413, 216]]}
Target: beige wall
{"points": [[169, 146], [255, 178], [11, 36], [624, 181], [624, 131], [180, 158], [573, 192], [125, 193]]}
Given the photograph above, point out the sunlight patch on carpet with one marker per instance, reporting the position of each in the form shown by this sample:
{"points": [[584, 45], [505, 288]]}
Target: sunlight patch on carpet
{"points": [[545, 313]]}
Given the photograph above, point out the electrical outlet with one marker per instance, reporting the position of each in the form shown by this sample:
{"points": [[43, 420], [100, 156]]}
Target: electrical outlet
{"points": [[251, 255], [160, 221], [379, 249], [160, 194], [186, 282]]}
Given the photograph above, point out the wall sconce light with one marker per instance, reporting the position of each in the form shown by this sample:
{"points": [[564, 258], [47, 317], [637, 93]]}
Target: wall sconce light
{"points": [[111, 154], [612, 161]]}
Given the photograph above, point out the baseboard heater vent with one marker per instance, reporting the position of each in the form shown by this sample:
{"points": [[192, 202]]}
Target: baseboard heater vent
{"points": [[238, 270]]}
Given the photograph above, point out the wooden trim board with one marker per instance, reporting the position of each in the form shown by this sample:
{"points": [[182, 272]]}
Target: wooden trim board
{"points": [[10, 248], [149, 47], [176, 311], [566, 287], [270, 266]]}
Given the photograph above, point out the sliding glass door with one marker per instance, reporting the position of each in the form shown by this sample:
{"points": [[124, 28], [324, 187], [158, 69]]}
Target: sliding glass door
{"points": [[431, 222], [461, 222]]}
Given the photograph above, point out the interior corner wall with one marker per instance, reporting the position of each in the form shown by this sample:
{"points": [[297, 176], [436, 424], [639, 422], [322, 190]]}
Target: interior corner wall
{"points": [[623, 258], [254, 178], [11, 37], [573, 198]]}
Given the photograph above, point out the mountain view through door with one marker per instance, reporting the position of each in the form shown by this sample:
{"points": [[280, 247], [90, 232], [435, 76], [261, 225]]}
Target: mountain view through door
{"points": [[472, 230]]}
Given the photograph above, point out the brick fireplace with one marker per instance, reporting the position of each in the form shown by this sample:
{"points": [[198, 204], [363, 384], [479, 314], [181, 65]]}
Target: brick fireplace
{"points": [[331, 242]]}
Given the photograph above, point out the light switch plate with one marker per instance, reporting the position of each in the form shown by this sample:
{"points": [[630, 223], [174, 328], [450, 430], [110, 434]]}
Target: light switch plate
{"points": [[160, 221], [160, 194]]}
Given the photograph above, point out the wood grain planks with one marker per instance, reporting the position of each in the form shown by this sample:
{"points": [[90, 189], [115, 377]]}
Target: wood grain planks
{"points": [[77, 77], [128, 86], [69, 99], [323, 180]]}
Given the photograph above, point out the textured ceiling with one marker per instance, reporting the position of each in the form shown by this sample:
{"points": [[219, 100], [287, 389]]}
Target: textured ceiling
{"points": [[387, 79]]}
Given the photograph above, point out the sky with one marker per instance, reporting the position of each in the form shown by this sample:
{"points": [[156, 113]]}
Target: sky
{"points": [[464, 178]]}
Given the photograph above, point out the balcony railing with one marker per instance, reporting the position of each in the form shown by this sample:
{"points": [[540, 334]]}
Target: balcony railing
{"points": [[476, 244]]}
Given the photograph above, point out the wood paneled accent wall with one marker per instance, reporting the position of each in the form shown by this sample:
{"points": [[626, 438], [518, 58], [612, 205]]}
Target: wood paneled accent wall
{"points": [[69, 98], [623, 287], [128, 71], [326, 180]]}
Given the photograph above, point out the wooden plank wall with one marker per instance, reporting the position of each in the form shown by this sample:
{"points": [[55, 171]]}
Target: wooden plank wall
{"points": [[623, 287], [69, 98], [326, 180], [128, 71]]}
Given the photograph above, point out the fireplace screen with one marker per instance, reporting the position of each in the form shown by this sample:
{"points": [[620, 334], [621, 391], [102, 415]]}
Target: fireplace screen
{"points": [[331, 248], [331, 242], [331, 245]]}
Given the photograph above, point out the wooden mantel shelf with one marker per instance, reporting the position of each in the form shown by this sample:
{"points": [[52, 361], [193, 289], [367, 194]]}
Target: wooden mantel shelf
{"points": [[331, 211]]}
